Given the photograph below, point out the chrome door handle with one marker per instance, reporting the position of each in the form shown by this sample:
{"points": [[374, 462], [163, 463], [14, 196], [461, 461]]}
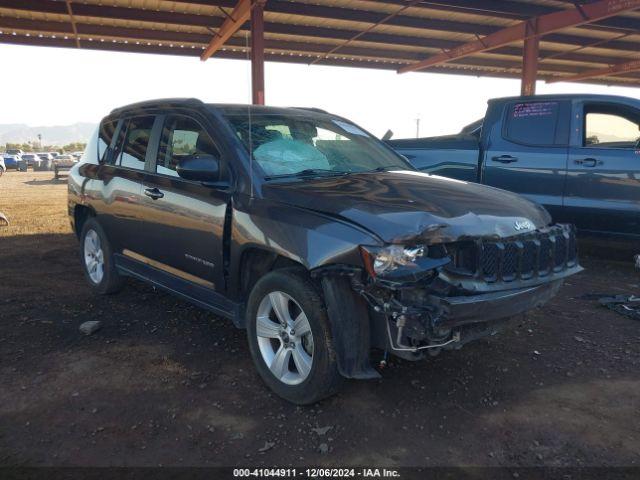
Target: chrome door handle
{"points": [[586, 162], [153, 193], [504, 159]]}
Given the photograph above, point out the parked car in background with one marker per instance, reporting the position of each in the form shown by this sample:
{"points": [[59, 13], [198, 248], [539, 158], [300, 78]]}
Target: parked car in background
{"points": [[32, 159], [11, 162], [46, 161], [3, 168], [578, 155], [310, 233], [17, 153], [63, 163], [77, 155], [14, 151]]}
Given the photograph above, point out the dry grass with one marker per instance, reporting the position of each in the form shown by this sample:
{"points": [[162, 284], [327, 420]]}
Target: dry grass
{"points": [[34, 203]]}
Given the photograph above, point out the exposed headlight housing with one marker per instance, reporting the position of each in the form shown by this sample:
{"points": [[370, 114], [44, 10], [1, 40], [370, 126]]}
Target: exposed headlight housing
{"points": [[400, 263], [387, 259]]}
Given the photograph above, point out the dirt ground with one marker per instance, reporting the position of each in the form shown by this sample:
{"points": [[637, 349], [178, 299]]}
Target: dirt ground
{"points": [[164, 383]]}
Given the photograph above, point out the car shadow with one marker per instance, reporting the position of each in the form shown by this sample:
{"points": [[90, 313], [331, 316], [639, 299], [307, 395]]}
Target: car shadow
{"points": [[48, 181], [160, 367]]}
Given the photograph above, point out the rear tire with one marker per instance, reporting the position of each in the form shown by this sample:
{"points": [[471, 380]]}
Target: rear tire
{"points": [[96, 258], [298, 366]]}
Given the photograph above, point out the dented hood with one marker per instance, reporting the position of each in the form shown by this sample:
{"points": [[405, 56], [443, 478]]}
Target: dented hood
{"points": [[401, 206]]}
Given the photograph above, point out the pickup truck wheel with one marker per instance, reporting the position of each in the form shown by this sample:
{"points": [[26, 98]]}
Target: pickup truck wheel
{"points": [[289, 337], [97, 261]]}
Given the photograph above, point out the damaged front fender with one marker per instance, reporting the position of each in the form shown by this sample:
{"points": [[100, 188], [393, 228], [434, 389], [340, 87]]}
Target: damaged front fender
{"points": [[350, 325]]}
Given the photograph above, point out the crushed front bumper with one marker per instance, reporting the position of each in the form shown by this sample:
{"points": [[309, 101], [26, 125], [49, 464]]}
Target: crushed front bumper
{"points": [[486, 282], [450, 322], [486, 307]]}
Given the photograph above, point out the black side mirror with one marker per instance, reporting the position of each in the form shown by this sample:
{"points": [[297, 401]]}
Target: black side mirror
{"points": [[199, 167]]}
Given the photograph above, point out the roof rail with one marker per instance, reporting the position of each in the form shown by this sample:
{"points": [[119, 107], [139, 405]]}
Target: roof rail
{"points": [[161, 102], [311, 109]]}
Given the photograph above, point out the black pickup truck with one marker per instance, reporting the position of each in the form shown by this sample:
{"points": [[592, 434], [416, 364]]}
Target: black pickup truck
{"points": [[578, 155]]}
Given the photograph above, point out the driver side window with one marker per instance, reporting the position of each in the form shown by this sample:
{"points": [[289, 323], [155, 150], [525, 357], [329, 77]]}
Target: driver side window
{"points": [[611, 130], [182, 136]]}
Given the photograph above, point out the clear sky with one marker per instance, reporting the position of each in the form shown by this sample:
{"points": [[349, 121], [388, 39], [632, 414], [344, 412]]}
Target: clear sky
{"points": [[51, 86]]}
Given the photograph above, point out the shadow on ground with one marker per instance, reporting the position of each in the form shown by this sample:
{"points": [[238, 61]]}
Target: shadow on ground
{"points": [[48, 181], [166, 383]]}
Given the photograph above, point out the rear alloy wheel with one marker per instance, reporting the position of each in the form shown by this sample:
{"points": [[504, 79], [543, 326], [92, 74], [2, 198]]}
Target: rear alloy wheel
{"points": [[97, 261], [93, 257], [289, 337]]}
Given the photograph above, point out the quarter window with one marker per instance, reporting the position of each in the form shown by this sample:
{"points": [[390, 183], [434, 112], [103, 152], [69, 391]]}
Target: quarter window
{"points": [[105, 135], [182, 136], [134, 151]]}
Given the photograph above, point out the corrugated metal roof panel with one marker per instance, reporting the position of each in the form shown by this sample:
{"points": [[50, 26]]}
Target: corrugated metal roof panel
{"points": [[305, 30]]}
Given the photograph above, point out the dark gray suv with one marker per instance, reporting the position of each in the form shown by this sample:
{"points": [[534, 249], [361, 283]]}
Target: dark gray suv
{"points": [[310, 233]]}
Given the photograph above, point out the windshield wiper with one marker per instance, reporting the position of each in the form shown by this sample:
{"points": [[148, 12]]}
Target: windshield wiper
{"points": [[385, 168], [309, 172]]}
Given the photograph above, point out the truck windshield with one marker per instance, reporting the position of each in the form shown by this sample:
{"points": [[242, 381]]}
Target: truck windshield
{"points": [[290, 145]]}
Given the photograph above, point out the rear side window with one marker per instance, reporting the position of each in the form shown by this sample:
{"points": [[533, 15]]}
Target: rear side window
{"points": [[105, 135], [136, 142], [537, 123]]}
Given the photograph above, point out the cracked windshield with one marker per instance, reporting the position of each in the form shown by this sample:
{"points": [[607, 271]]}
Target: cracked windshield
{"points": [[285, 145]]}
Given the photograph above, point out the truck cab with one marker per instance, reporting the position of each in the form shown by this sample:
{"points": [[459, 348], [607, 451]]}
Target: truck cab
{"points": [[577, 155]]}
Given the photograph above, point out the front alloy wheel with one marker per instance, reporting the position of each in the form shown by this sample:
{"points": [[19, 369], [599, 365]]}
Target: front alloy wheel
{"points": [[284, 337], [289, 337]]}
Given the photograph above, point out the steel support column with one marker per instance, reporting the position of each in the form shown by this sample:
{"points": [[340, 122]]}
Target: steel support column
{"points": [[257, 53], [530, 65]]}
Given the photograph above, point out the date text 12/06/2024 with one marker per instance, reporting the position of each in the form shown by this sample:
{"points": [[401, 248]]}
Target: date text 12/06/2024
{"points": [[316, 473]]}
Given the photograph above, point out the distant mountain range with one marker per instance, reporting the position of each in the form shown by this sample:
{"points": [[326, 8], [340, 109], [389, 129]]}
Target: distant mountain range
{"points": [[55, 135]]}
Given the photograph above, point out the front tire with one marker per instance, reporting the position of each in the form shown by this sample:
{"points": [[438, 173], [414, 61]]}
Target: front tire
{"points": [[97, 259], [289, 337]]}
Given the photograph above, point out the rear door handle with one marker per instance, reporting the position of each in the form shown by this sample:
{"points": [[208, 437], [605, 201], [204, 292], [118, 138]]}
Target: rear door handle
{"points": [[586, 162], [504, 159], [153, 193]]}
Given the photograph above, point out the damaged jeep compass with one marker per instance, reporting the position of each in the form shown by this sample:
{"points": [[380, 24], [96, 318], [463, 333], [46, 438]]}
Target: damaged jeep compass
{"points": [[314, 236]]}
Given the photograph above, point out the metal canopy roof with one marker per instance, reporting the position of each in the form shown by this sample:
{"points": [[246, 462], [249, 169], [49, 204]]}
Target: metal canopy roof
{"points": [[387, 34]]}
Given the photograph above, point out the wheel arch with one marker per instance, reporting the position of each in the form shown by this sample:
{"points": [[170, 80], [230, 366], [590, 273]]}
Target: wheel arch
{"points": [[81, 213], [257, 261], [349, 318]]}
